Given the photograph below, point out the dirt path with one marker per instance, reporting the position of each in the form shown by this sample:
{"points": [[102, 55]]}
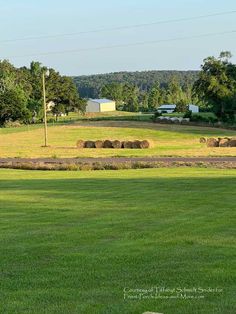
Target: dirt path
{"points": [[118, 160]]}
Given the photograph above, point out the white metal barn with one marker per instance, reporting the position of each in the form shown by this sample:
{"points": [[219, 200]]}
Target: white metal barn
{"points": [[193, 108], [100, 105], [171, 108], [166, 108]]}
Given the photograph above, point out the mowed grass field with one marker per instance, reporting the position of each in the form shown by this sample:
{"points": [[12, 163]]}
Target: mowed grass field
{"points": [[168, 140], [71, 242]]}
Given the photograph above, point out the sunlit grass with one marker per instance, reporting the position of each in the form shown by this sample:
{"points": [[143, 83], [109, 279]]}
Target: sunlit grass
{"points": [[70, 242], [169, 140]]}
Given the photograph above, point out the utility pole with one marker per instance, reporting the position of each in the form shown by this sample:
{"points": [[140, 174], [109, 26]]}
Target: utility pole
{"points": [[45, 109]]}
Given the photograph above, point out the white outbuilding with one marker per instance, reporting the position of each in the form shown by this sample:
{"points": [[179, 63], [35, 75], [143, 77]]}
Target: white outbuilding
{"points": [[100, 105], [170, 108], [193, 108]]}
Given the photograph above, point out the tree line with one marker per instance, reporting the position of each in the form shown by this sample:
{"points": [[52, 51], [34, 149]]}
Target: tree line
{"points": [[90, 86], [21, 93], [213, 88], [130, 98]]}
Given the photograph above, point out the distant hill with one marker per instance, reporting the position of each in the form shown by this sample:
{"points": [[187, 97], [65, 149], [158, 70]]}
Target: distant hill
{"points": [[90, 86]]}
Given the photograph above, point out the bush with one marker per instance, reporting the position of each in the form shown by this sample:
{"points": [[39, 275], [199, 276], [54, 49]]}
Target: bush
{"points": [[188, 114], [200, 118], [12, 124], [156, 115], [212, 120]]}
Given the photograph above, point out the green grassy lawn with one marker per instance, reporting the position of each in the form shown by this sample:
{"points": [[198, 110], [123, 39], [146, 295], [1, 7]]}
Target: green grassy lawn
{"points": [[72, 241], [110, 115], [203, 114], [167, 140]]}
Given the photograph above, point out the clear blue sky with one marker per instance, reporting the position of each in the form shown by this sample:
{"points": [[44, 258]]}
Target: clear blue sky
{"points": [[27, 18]]}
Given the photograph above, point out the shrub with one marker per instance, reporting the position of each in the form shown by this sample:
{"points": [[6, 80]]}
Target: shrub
{"points": [[12, 124], [157, 114], [212, 120], [188, 114]]}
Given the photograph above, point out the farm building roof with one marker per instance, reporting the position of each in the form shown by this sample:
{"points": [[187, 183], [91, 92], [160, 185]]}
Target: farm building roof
{"points": [[102, 100]]}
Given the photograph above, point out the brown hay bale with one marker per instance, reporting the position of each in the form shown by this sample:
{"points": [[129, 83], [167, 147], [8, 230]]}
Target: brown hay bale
{"points": [[99, 144], [224, 142], [136, 144], [107, 144], [212, 142], [80, 144], [144, 144], [202, 140], [116, 144], [128, 144], [232, 142], [89, 144]]}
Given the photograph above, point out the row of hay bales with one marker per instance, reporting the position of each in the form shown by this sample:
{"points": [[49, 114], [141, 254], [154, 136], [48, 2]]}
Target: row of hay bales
{"points": [[219, 142], [114, 144]]}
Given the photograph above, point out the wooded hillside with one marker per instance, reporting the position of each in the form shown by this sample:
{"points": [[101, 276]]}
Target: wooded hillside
{"points": [[90, 86]]}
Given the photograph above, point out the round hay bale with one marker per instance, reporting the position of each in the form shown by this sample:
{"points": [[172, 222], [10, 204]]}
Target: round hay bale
{"points": [[107, 144], [128, 144], [165, 120], [98, 144], [232, 142], [212, 142], [80, 144], [116, 144], [89, 144], [224, 142], [202, 140], [137, 144], [144, 144]]}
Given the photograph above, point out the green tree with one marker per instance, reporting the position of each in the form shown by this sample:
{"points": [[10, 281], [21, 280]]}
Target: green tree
{"points": [[113, 91], [13, 106], [216, 86], [143, 100], [181, 106], [130, 96], [62, 90], [174, 91], [58, 110], [154, 98]]}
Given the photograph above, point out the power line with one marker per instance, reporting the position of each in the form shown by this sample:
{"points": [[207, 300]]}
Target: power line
{"points": [[123, 45], [119, 27]]}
